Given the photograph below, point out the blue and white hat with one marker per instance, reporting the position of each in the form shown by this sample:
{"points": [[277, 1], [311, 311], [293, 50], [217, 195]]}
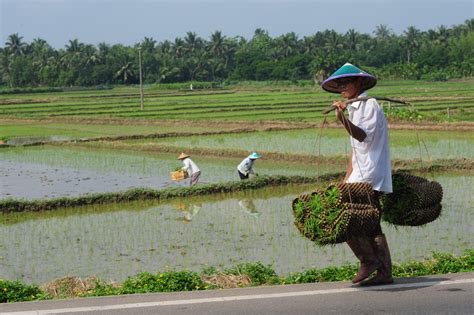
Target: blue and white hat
{"points": [[255, 156], [346, 71]]}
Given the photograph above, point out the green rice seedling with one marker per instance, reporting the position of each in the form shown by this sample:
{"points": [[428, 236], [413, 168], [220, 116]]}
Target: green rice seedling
{"points": [[326, 217]]}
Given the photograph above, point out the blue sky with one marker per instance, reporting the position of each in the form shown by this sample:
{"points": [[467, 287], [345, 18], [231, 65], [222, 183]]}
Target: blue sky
{"points": [[127, 21]]}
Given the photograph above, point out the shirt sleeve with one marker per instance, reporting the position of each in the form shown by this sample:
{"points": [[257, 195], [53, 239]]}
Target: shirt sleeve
{"points": [[186, 166], [368, 121]]}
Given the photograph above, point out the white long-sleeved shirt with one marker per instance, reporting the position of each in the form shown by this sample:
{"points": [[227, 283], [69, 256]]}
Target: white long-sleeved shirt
{"points": [[190, 166], [246, 166], [371, 157]]}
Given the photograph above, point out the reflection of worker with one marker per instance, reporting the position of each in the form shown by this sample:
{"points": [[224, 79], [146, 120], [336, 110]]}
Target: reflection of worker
{"points": [[248, 207], [191, 168], [191, 212], [370, 163], [245, 167]]}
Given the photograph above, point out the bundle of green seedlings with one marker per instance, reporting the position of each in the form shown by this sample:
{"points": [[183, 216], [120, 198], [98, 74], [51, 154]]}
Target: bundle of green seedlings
{"points": [[415, 200], [337, 213]]}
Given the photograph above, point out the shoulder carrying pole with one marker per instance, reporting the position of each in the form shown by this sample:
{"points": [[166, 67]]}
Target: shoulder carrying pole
{"points": [[365, 98]]}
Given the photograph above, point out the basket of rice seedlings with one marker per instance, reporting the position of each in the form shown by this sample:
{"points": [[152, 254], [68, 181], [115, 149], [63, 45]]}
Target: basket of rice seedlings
{"points": [[415, 200], [333, 215], [178, 174]]}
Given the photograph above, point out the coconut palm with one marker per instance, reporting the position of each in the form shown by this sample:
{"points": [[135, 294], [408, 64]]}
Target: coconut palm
{"points": [[442, 35], [289, 44], [14, 45], [148, 44], [411, 41], [178, 47], [333, 42], [192, 43], [383, 32], [5, 69], [125, 73], [216, 44], [352, 39]]}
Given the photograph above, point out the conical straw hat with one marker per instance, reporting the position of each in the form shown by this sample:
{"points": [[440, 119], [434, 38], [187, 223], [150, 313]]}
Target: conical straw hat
{"points": [[182, 156]]}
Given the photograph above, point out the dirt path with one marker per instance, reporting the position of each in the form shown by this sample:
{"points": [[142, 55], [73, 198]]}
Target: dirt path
{"points": [[244, 125]]}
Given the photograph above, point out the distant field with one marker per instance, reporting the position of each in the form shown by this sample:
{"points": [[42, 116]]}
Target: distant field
{"points": [[239, 103]]}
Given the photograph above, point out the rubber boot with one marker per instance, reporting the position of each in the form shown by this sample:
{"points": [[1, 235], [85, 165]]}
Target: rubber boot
{"points": [[384, 272], [364, 251]]}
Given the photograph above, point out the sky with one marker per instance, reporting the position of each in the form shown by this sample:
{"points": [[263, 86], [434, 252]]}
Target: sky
{"points": [[129, 21]]}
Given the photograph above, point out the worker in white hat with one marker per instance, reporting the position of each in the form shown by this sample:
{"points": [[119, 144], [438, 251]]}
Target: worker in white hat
{"points": [[191, 168], [245, 167]]}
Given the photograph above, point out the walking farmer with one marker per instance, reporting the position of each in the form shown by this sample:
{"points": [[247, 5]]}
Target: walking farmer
{"points": [[369, 163], [191, 168], [245, 167]]}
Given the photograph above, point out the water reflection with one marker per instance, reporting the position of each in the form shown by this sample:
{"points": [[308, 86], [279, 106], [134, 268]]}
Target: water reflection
{"points": [[248, 207], [188, 209]]}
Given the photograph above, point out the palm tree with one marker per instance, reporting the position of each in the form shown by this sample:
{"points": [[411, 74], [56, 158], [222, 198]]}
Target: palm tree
{"points": [[217, 43], [125, 72], [104, 51], [442, 35], [72, 57], [352, 39], [333, 42], [148, 44], [14, 45], [412, 41], [178, 47], [469, 25], [5, 69], [192, 42], [382, 32], [289, 44], [90, 56]]}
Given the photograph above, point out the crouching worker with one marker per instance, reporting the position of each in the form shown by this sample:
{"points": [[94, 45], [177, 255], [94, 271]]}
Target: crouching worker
{"points": [[191, 168], [245, 167], [369, 163]]}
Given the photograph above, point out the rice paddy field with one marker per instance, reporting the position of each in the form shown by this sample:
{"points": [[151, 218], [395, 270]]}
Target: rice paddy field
{"points": [[76, 143], [223, 230]]}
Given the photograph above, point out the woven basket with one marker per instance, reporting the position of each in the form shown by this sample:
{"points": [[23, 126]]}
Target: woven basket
{"points": [[415, 201], [178, 175], [327, 220]]}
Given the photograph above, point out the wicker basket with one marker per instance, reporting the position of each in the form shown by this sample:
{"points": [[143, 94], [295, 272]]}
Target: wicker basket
{"points": [[415, 200], [327, 219], [179, 175]]}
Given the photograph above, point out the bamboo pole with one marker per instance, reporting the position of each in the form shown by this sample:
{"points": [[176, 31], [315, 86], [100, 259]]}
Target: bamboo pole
{"points": [[365, 98]]}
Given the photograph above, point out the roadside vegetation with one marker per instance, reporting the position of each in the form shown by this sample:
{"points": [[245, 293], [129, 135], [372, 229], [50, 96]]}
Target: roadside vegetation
{"points": [[242, 275]]}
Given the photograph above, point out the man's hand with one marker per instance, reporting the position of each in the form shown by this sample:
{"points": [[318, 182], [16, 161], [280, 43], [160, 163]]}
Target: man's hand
{"points": [[340, 107]]}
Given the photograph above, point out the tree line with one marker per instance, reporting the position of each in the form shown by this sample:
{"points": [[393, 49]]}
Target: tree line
{"points": [[436, 54]]}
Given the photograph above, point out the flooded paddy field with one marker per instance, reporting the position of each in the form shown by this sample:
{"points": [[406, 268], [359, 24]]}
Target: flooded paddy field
{"points": [[48, 172], [404, 144], [116, 241]]}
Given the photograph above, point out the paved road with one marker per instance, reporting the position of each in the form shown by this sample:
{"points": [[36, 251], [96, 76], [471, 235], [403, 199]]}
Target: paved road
{"points": [[444, 294]]}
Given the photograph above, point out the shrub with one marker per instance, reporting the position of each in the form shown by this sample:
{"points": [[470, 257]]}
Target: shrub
{"points": [[407, 114], [438, 76], [169, 281], [15, 291], [258, 273]]}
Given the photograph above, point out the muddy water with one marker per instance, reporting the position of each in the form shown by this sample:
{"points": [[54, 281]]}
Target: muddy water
{"points": [[47, 172], [115, 241]]}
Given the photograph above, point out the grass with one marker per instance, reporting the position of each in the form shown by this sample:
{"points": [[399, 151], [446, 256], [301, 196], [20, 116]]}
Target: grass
{"points": [[264, 100], [242, 275]]}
